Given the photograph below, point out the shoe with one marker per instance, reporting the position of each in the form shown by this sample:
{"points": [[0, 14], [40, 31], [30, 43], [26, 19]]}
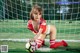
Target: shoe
{"points": [[64, 43], [56, 45]]}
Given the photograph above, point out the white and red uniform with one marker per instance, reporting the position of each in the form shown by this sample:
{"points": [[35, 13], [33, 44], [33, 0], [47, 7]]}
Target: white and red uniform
{"points": [[45, 28], [42, 24]]}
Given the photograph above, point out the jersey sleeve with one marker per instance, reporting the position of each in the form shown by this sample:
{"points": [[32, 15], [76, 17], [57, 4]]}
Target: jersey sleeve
{"points": [[29, 25], [43, 25]]}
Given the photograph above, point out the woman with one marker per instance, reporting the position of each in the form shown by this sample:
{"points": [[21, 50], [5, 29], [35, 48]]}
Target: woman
{"points": [[39, 27]]}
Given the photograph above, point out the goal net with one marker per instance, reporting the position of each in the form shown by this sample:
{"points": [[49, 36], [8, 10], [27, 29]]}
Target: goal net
{"points": [[64, 14]]}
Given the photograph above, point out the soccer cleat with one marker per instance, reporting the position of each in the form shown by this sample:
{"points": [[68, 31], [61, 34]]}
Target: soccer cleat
{"points": [[64, 43], [56, 45]]}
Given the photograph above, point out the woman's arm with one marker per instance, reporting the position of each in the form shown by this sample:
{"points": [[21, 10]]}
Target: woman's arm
{"points": [[37, 34]]}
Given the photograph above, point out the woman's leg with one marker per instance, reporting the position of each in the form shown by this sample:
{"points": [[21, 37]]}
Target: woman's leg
{"points": [[52, 32], [54, 44]]}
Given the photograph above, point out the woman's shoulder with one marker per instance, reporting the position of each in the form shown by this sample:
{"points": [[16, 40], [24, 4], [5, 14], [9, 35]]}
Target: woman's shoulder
{"points": [[42, 20], [29, 21]]}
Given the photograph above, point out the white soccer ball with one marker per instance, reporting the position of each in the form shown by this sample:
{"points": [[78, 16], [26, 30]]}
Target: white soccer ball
{"points": [[31, 46], [28, 45]]}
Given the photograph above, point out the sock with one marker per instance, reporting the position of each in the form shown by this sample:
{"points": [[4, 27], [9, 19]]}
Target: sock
{"points": [[39, 43], [54, 44], [34, 45], [43, 43]]}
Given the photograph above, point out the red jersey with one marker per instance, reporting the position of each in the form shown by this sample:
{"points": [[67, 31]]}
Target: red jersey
{"points": [[42, 24]]}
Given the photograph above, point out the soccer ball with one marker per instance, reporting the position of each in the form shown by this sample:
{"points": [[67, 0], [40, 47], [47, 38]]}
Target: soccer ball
{"points": [[31, 46], [28, 47]]}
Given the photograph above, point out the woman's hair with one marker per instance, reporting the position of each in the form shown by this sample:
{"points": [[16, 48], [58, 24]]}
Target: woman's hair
{"points": [[35, 8]]}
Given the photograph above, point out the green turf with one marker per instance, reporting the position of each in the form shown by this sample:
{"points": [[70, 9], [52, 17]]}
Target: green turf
{"points": [[19, 47], [18, 29]]}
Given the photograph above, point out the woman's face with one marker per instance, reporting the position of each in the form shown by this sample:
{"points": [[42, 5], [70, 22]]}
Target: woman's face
{"points": [[36, 15]]}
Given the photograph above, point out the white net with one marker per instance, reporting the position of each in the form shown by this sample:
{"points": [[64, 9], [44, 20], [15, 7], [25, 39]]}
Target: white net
{"points": [[65, 14]]}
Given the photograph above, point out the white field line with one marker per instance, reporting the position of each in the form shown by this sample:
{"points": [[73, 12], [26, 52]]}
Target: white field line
{"points": [[46, 40]]}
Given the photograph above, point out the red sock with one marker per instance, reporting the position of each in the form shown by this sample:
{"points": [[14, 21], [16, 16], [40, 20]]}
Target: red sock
{"points": [[39, 43], [54, 44], [43, 43]]}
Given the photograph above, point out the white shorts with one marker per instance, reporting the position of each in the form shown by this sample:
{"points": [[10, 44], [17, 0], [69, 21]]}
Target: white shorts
{"points": [[48, 30]]}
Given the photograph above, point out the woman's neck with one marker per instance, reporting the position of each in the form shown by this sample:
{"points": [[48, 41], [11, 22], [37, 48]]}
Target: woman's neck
{"points": [[36, 20]]}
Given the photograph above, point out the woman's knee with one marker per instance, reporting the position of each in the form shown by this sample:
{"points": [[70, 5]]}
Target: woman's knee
{"points": [[52, 28]]}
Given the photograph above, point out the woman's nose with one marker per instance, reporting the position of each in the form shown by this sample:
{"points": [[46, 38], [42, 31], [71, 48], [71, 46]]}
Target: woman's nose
{"points": [[35, 15]]}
